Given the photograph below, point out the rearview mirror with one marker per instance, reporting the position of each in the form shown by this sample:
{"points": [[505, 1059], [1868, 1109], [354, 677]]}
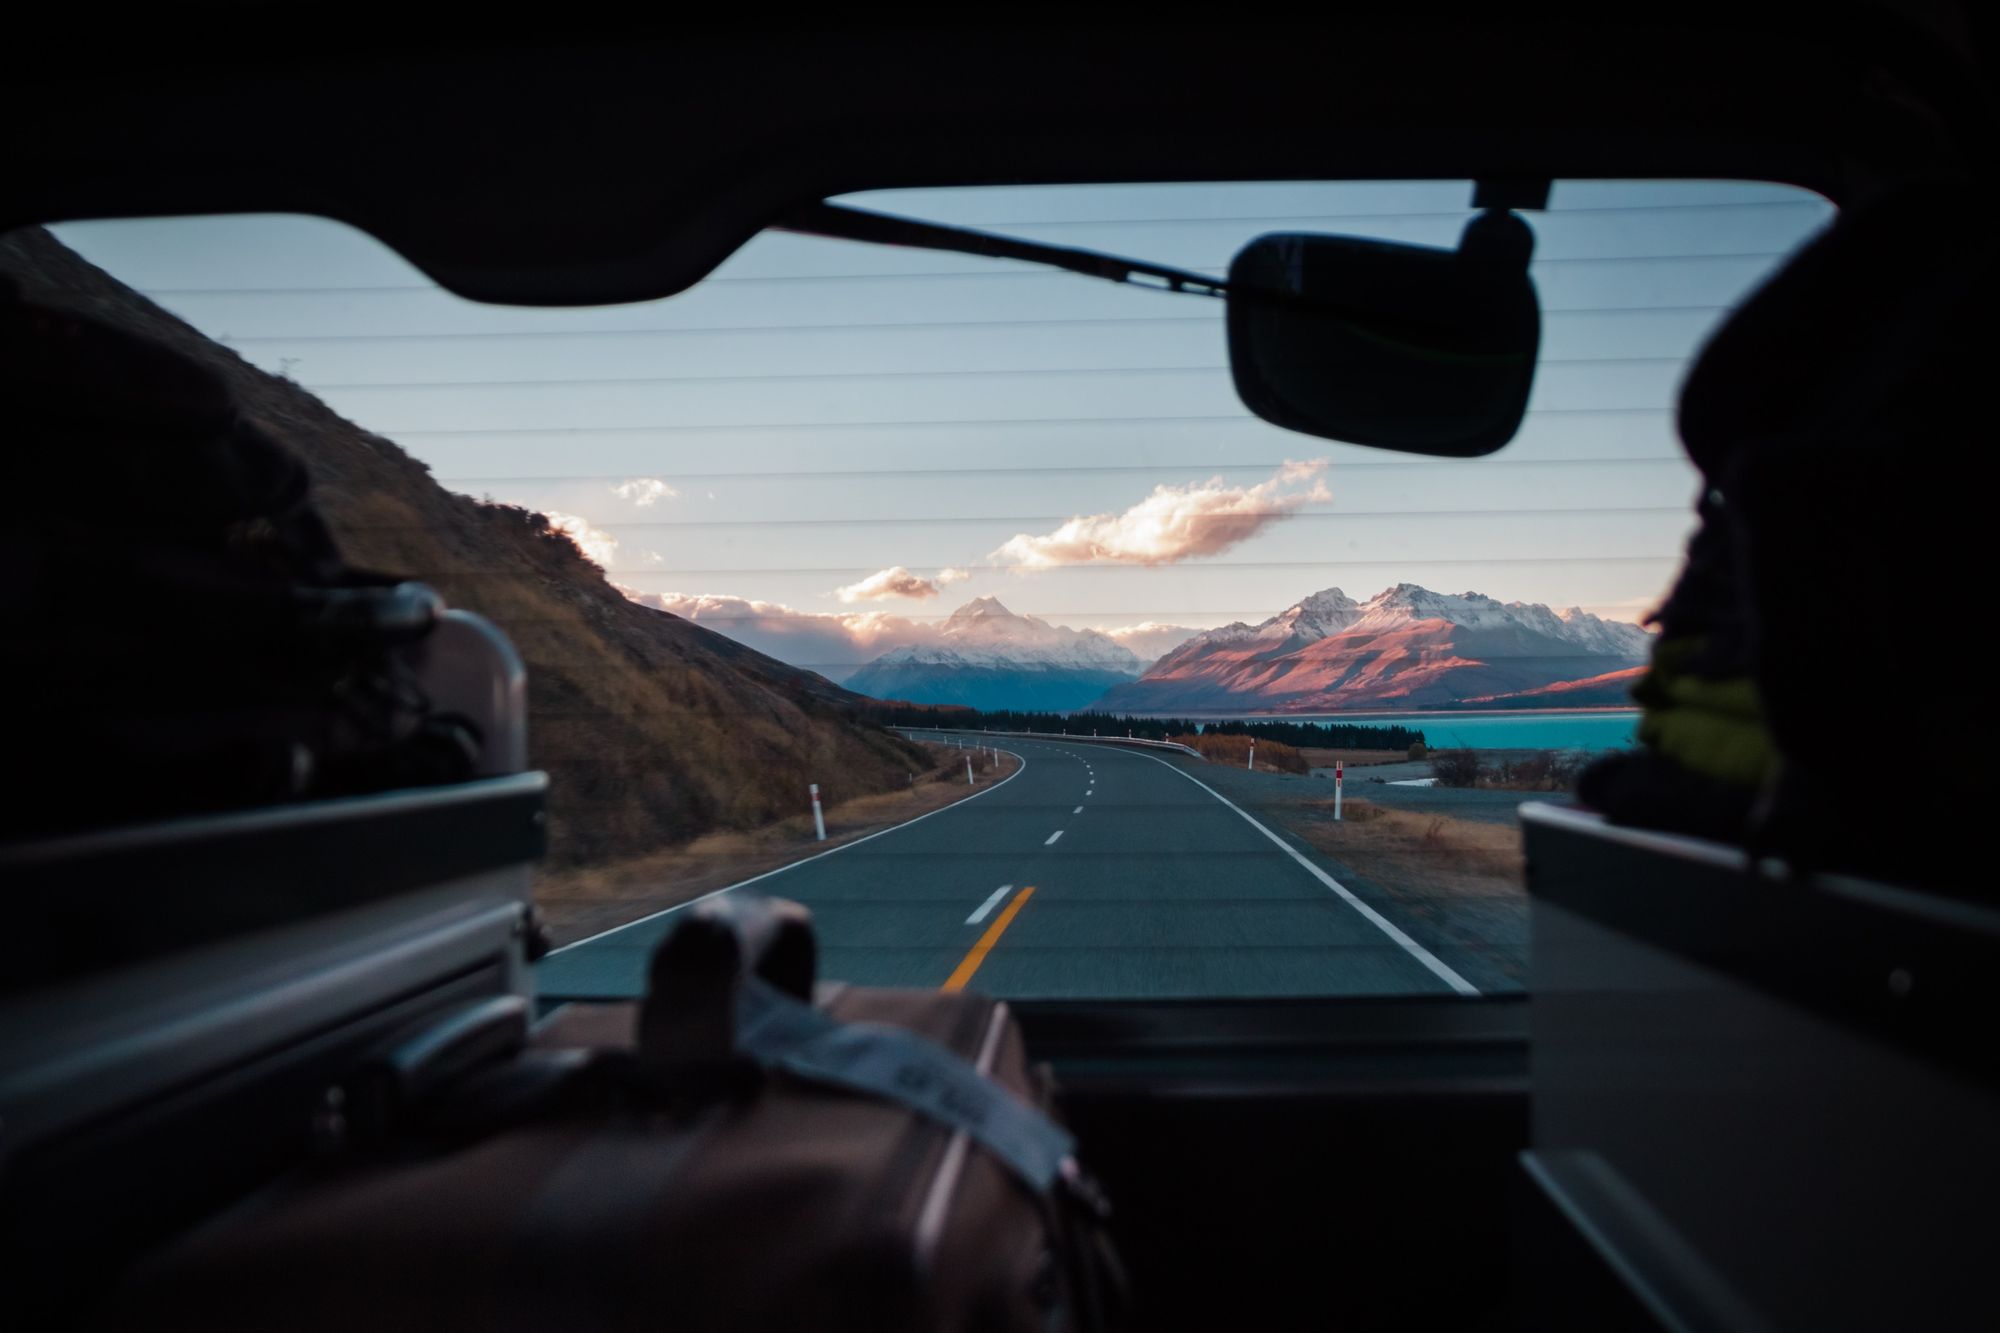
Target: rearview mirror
{"points": [[1404, 347]]}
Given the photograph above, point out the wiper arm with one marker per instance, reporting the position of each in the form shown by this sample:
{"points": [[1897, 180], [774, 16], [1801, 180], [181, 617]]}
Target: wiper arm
{"points": [[858, 224]]}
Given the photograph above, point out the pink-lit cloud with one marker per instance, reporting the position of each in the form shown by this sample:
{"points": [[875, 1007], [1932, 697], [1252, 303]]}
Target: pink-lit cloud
{"points": [[645, 492], [1174, 523], [597, 544], [832, 643], [895, 581]]}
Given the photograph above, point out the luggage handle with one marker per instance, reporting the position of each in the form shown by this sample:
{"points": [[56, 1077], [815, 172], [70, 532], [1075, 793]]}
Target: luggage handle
{"points": [[698, 975], [399, 1082], [730, 993]]}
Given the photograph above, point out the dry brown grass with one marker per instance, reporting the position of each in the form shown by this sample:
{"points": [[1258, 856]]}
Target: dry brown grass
{"points": [[580, 901], [1271, 755], [1464, 856], [1318, 757], [652, 730]]}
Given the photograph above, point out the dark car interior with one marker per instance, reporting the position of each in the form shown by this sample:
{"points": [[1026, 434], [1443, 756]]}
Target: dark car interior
{"points": [[1750, 1085]]}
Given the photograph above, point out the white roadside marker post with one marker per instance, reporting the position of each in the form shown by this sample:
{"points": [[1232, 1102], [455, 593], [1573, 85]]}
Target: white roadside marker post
{"points": [[968, 770], [1339, 768], [819, 817], [1253, 754]]}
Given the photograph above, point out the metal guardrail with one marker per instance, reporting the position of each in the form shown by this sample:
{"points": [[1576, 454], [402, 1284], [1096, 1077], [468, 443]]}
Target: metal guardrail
{"points": [[1065, 736]]}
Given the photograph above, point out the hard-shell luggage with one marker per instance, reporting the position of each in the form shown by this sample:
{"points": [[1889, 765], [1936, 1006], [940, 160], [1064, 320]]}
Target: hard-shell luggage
{"points": [[183, 633], [725, 1155]]}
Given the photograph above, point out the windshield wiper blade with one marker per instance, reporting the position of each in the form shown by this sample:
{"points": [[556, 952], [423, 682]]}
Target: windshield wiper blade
{"points": [[840, 222]]}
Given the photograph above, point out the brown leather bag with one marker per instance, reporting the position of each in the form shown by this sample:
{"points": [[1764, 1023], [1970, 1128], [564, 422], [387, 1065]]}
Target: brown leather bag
{"points": [[635, 1168]]}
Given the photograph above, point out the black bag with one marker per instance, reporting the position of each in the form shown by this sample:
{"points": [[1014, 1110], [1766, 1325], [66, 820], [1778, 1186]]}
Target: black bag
{"points": [[724, 1156], [182, 633]]}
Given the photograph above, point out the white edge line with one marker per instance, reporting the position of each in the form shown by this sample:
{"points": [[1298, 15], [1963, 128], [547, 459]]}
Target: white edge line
{"points": [[1052, 838], [790, 865], [1410, 946], [989, 904]]}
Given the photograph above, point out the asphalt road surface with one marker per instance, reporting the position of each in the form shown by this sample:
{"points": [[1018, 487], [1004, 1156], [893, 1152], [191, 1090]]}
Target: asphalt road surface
{"points": [[1093, 871]]}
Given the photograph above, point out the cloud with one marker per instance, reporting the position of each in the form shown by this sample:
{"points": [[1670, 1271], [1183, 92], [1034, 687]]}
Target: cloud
{"points": [[646, 491], [1152, 640], [831, 643], [947, 577], [1632, 610], [1174, 523], [894, 582], [600, 546]]}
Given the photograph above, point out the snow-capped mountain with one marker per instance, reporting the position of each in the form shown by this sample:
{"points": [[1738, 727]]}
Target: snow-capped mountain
{"points": [[1317, 616], [1404, 647], [985, 631], [988, 657]]}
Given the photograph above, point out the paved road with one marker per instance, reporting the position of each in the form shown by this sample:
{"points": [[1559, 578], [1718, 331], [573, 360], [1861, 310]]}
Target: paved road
{"points": [[1093, 871]]}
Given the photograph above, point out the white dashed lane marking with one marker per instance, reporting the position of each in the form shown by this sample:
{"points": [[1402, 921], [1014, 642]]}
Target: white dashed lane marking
{"points": [[989, 904]]}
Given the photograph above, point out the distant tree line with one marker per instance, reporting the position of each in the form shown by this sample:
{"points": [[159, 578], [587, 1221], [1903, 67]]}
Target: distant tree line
{"points": [[1313, 735]]}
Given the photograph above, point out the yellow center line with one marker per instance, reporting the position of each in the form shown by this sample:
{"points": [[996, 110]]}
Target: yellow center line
{"points": [[970, 963]]}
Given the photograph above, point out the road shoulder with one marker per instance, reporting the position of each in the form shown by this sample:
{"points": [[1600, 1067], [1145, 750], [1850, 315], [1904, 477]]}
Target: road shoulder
{"points": [[580, 902], [1450, 878]]}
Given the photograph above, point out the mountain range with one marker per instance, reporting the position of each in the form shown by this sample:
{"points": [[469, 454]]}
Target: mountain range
{"points": [[987, 657], [1406, 647]]}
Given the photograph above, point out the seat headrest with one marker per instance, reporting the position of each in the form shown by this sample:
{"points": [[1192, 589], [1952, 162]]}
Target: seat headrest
{"points": [[1849, 315]]}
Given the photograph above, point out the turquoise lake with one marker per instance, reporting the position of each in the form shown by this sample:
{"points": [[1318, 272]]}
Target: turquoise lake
{"points": [[1605, 730]]}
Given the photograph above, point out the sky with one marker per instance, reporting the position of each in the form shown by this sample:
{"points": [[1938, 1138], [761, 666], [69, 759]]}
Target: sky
{"points": [[826, 447]]}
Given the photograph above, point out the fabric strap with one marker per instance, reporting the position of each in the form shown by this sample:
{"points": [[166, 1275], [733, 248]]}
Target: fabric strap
{"points": [[774, 1029]]}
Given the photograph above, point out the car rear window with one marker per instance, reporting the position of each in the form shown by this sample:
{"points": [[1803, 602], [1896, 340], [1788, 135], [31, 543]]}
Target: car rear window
{"points": [[963, 601]]}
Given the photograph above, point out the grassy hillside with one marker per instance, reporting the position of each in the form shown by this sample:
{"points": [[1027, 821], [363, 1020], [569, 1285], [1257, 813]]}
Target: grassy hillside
{"points": [[653, 729]]}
